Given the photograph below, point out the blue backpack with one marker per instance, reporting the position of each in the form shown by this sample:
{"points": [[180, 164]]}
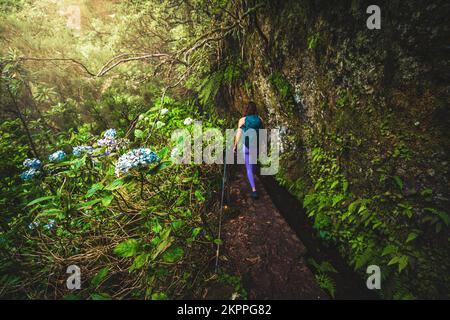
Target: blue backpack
{"points": [[251, 122]]}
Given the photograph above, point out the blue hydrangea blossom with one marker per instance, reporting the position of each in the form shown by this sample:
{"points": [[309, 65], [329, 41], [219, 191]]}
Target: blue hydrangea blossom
{"points": [[134, 159], [57, 156], [50, 224], [78, 150], [29, 174], [110, 133], [32, 163], [109, 139], [111, 142], [107, 142]]}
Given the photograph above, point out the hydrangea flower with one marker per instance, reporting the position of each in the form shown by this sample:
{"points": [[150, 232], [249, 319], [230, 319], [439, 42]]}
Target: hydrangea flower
{"points": [[188, 121], [57, 156], [134, 159], [112, 144], [110, 133], [78, 150], [32, 163], [107, 142], [33, 225], [164, 110], [50, 224], [29, 174]]}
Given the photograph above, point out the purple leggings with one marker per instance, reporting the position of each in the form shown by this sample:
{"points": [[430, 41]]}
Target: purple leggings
{"points": [[249, 166]]}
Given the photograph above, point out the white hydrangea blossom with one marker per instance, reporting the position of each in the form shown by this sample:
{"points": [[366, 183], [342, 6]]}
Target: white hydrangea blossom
{"points": [[188, 121]]}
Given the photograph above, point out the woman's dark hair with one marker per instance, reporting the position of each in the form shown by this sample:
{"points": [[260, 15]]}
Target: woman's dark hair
{"points": [[250, 108]]}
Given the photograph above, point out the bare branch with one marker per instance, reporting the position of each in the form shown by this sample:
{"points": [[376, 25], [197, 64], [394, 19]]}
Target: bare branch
{"points": [[112, 63], [59, 59]]}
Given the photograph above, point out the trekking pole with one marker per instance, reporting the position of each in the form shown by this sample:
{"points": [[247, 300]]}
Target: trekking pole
{"points": [[224, 178]]}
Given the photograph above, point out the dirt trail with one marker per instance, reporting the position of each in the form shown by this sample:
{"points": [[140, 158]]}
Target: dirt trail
{"points": [[261, 247]]}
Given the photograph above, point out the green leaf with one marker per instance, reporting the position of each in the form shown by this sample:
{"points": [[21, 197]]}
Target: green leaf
{"points": [[353, 205], [115, 184], [139, 262], [160, 166], [198, 194], [78, 163], [173, 254], [196, 231], [156, 226], [139, 133], [338, 198], [52, 213], [318, 183], [411, 237], [394, 260], [402, 262], [334, 184], [100, 296], [389, 249], [166, 241], [399, 182], [106, 200], [88, 204], [127, 249], [40, 200], [345, 186], [94, 188], [163, 152], [362, 209], [308, 199], [326, 266], [177, 224], [99, 277], [159, 296]]}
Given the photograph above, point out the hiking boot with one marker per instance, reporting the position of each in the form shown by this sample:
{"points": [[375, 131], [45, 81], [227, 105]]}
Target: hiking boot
{"points": [[254, 195]]}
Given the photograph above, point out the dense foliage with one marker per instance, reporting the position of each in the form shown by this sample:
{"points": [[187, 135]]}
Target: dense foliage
{"points": [[90, 94], [86, 162]]}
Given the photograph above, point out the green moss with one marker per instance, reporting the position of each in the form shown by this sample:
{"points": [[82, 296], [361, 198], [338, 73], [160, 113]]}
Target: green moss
{"points": [[281, 85]]}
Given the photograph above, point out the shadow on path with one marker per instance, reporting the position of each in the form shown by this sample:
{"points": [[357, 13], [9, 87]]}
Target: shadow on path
{"points": [[262, 249]]}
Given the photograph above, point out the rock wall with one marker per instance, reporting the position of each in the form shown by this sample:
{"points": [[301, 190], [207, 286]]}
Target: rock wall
{"points": [[364, 118]]}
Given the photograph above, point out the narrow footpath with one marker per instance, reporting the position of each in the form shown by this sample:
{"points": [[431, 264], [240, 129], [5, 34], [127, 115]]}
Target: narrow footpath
{"points": [[262, 249]]}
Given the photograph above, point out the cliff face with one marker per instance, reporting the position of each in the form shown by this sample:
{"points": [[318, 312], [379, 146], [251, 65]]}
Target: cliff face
{"points": [[364, 120]]}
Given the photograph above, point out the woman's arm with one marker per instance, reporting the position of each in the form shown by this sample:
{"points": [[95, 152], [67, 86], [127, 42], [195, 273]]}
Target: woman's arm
{"points": [[238, 133]]}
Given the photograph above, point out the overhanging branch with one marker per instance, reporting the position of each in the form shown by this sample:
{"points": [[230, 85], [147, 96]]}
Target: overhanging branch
{"points": [[112, 63]]}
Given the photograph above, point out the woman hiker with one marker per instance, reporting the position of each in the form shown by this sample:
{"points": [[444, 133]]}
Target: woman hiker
{"points": [[250, 120]]}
